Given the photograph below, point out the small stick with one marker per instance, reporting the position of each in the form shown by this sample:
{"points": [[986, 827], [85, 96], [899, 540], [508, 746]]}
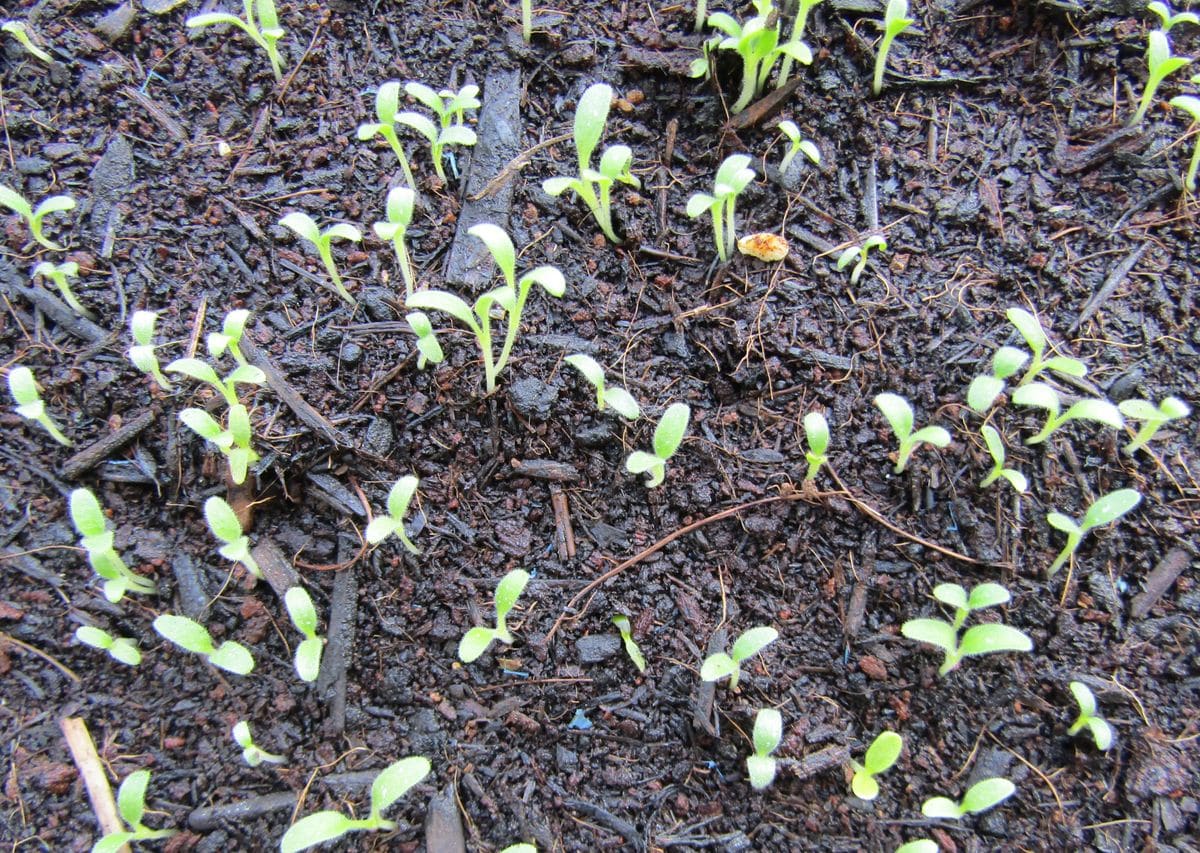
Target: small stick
{"points": [[83, 751], [50, 659], [564, 536], [515, 165], [98, 451]]}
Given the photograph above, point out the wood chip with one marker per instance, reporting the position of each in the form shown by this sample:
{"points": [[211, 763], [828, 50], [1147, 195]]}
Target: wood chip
{"points": [[1159, 581]]}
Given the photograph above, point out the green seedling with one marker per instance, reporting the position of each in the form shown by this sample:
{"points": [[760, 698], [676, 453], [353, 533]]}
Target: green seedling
{"points": [[1190, 105], [202, 371], [17, 30], [978, 640], [476, 641], [668, 435], [303, 226], [398, 499], [995, 449], [1105, 510], [509, 299], [429, 351], [141, 354], [594, 186], [25, 394], [797, 145], [799, 22], [1152, 416], [920, 845], [391, 784], [757, 42], [631, 647], [1042, 396], [97, 541], [304, 617], [816, 430], [881, 754], [400, 204], [252, 753], [527, 35], [984, 389], [980, 797], [701, 14], [224, 524], [261, 24], [59, 273], [233, 441], [1101, 731], [34, 217], [230, 336], [1167, 20], [387, 106], [1160, 64], [899, 415], [131, 803], [617, 399], [768, 733], [733, 176], [861, 252], [194, 637], [448, 106], [895, 21], [121, 649], [1035, 337], [750, 643]]}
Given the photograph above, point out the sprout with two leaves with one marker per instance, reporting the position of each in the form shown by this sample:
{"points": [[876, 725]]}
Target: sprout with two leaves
{"points": [[767, 735], [733, 176], [131, 804], [387, 107], [797, 145], [35, 217], [449, 107], [260, 22], [230, 336], [1104, 511], [1041, 396], [668, 435], [303, 226], [899, 415], [429, 350], [304, 617], [984, 389], [816, 431], [141, 354], [980, 797], [895, 21], [1160, 64], [400, 204], [610, 396], [1030, 328], [751, 642], [995, 447], [24, 390], [224, 524], [758, 44], [194, 637], [858, 254], [983, 639], [621, 621], [59, 273], [476, 641], [121, 649], [1097, 726], [881, 755], [1152, 416], [97, 541], [398, 499], [234, 440], [252, 753]]}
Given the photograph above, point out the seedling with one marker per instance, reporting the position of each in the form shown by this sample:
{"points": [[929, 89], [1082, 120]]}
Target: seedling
{"points": [[984, 389], [252, 754], [224, 524], [920, 845], [429, 351], [816, 430], [387, 105], [34, 217], [97, 540], [121, 649], [861, 251], [1035, 337], [131, 803], [768, 733], [895, 21], [230, 336], [733, 176], [233, 442], [400, 203], [1105, 510], [202, 371], [797, 146], [799, 22], [391, 784], [750, 643], [1190, 105], [448, 106], [25, 394], [1042, 396], [304, 617], [303, 226], [17, 30], [261, 24], [668, 435], [509, 299], [59, 273], [476, 641], [141, 326], [631, 647], [881, 754], [617, 399], [398, 499], [1160, 64], [194, 637], [899, 415], [758, 44], [594, 187], [1102, 733], [978, 640], [1170, 409], [980, 797], [995, 448], [1163, 11]]}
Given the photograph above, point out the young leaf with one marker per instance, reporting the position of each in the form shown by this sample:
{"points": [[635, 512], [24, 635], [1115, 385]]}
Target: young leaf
{"points": [[1108, 508], [501, 247], [935, 632], [987, 793], [897, 411], [86, 513], [508, 590], [952, 594], [222, 520], [752, 642], [993, 637], [988, 595], [668, 435], [232, 657], [883, 752], [185, 633], [474, 643], [395, 781], [314, 829], [131, 797], [716, 667], [590, 117]]}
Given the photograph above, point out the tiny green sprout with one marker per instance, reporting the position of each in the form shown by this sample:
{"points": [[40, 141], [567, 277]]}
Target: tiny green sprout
{"points": [[750, 643], [899, 415], [733, 176], [476, 641], [194, 637], [1031, 330], [1163, 11], [816, 430], [861, 251], [1160, 64], [400, 203], [387, 105], [757, 43], [984, 389], [799, 22], [920, 845], [978, 640], [202, 371], [1105, 510], [25, 394], [303, 226], [392, 783], [304, 617], [768, 733], [594, 186], [141, 354], [995, 447], [59, 273], [233, 442], [17, 30], [448, 106], [881, 754], [980, 797], [1042, 396], [131, 803], [527, 36], [429, 351], [230, 336], [34, 217], [97, 540], [617, 399], [895, 21], [668, 435], [631, 648], [1101, 731], [797, 146], [224, 524], [1153, 417], [398, 499], [261, 24], [121, 649], [252, 753]]}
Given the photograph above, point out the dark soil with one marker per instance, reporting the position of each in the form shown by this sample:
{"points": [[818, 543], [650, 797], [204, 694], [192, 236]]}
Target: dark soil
{"points": [[996, 163]]}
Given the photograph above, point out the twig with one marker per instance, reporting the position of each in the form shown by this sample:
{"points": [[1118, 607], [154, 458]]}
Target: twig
{"points": [[1114, 280], [98, 451], [515, 165], [50, 659], [83, 751]]}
